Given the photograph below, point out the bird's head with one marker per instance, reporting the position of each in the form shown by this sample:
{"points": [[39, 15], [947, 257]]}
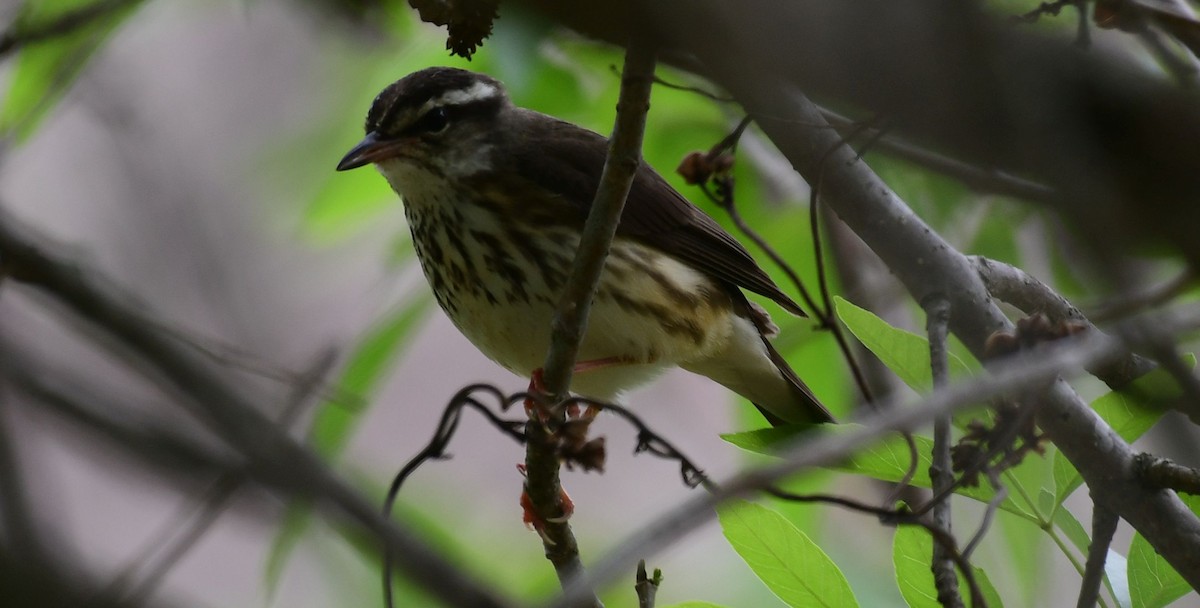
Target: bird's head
{"points": [[435, 124]]}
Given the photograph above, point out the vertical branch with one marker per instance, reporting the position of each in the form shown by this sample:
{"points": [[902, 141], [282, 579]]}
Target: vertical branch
{"points": [[20, 528], [225, 406], [647, 586], [937, 324], [570, 322], [1104, 525], [620, 167]]}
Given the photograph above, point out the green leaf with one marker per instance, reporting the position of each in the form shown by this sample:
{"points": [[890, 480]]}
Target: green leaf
{"points": [[1153, 583], [1066, 478], [1130, 412], [1027, 552], [903, 352], [373, 357], [767, 441], [44, 70], [694, 604], [1073, 530], [912, 552], [784, 558]]}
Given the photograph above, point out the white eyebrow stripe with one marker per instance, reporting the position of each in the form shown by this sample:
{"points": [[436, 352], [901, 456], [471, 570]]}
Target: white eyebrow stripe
{"points": [[476, 92]]}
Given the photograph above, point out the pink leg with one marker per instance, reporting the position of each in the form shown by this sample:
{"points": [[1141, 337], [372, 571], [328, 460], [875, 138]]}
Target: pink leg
{"points": [[537, 384], [532, 520]]}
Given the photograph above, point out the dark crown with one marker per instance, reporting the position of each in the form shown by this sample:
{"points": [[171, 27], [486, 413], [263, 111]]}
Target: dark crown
{"points": [[407, 100]]}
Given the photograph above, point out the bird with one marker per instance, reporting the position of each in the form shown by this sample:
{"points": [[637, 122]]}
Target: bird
{"points": [[496, 195]]}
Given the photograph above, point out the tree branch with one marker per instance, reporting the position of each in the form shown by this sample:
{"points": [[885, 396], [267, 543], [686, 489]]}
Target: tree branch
{"points": [[937, 311], [272, 456], [1063, 358], [570, 321], [1015, 286], [926, 264], [1104, 525], [1162, 473], [1122, 134], [646, 586]]}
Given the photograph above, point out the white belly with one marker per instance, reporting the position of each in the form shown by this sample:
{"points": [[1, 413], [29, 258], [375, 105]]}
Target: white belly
{"points": [[504, 305]]}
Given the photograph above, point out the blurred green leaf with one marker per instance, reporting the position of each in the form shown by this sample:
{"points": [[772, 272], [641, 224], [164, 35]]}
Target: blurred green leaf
{"points": [[912, 552], [346, 203], [790, 564], [1027, 549], [694, 604], [905, 353], [45, 69], [291, 530], [1130, 412], [1153, 583]]}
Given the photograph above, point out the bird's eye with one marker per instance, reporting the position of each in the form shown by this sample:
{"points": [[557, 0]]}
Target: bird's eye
{"points": [[434, 121]]}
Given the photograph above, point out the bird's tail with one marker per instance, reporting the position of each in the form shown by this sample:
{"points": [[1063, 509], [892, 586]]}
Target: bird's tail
{"points": [[802, 401], [752, 368]]}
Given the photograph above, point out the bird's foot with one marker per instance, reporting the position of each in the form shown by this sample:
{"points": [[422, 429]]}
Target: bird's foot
{"points": [[536, 522], [537, 388]]}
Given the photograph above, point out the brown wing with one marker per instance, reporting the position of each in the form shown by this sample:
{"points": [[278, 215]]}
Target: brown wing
{"points": [[568, 161]]}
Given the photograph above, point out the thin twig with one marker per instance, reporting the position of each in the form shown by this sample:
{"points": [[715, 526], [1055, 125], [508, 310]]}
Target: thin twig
{"points": [[971, 176], [860, 379], [941, 537], [176, 539], [648, 441], [620, 167], [1127, 304], [1104, 525], [1010, 284], [19, 525], [1045, 365], [436, 448], [925, 263], [724, 198], [1160, 344], [1160, 473], [646, 586], [988, 514], [272, 456], [570, 320], [728, 203], [937, 311]]}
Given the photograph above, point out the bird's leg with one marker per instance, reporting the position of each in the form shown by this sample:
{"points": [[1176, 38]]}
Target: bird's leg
{"points": [[537, 385], [535, 522]]}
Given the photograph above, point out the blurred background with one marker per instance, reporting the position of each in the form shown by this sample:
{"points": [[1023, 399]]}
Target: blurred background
{"points": [[187, 153]]}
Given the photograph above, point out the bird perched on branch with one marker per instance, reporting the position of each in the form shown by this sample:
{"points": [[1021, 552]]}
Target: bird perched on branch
{"points": [[496, 197]]}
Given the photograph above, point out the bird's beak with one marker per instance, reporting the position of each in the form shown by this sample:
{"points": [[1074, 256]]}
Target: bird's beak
{"points": [[372, 148]]}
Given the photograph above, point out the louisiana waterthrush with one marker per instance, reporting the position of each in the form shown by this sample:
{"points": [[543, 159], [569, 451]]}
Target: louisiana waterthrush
{"points": [[496, 196]]}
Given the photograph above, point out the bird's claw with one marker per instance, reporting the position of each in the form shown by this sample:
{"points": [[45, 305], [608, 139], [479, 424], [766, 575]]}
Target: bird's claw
{"points": [[536, 522]]}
